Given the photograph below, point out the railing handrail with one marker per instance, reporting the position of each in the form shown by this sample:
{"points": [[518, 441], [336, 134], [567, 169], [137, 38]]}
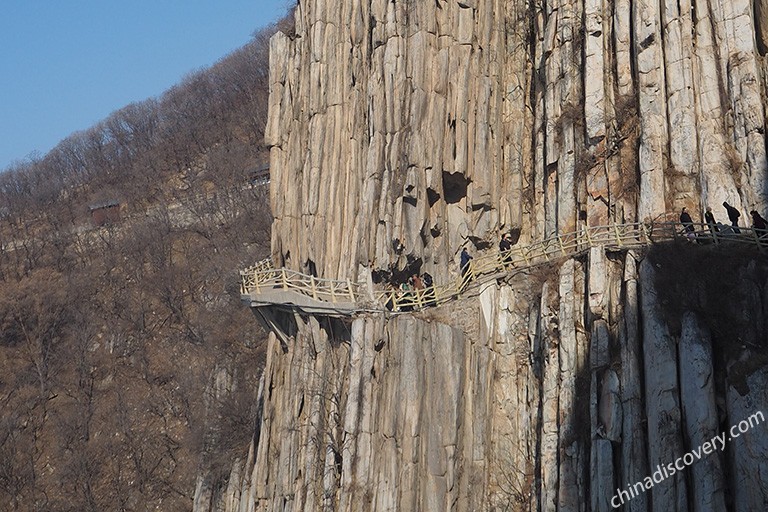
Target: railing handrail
{"points": [[263, 275]]}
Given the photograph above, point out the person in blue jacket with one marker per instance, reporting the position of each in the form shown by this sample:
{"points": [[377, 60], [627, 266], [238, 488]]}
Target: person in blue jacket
{"points": [[464, 264]]}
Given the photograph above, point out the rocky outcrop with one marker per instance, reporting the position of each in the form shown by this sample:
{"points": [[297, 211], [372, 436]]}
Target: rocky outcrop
{"points": [[554, 390], [402, 131], [436, 124]]}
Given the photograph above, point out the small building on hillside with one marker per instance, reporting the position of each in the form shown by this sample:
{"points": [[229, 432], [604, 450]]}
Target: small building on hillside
{"points": [[259, 175], [106, 212]]}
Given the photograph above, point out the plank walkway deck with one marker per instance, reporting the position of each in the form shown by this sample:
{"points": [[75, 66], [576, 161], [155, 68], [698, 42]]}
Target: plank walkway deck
{"points": [[262, 285]]}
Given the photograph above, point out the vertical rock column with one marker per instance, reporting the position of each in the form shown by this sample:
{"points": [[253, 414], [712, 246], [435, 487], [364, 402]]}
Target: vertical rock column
{"points": [[681, 117], [633, 447], [716, 177], [700, 413], [550, 427], [734, 29], [662, 396], [561, 112], [571, 449], [649, 64], [605, 408]]}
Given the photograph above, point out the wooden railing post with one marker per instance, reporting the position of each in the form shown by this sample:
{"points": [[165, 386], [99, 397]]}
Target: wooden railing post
{"points": [[525, 256], [560, 241], [314, 287], [644, 231], [284, 279], [351, 292]]}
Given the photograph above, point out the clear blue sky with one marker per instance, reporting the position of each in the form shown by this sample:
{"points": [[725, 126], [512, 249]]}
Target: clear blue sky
{"points": [[67, 64]]}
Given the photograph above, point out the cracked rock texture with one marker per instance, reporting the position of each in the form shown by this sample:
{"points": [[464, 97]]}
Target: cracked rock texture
{"points": [[439, 124], [547, 391]]}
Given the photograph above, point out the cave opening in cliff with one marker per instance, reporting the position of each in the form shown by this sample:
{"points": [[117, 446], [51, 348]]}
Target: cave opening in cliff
{"points": [[479, 243], [396, 276], [433, 196], [454, 186]]}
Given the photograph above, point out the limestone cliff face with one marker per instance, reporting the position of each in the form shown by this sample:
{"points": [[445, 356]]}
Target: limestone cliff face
{"points": [[435, 124], [548, 391], [439, 122]]}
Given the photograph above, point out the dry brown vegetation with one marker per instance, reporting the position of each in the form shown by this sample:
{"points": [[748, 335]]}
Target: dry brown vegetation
{"points": [[111, 336]]}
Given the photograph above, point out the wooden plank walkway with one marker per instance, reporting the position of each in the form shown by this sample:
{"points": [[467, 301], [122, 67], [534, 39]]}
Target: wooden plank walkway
{"points": [[262, 285]]}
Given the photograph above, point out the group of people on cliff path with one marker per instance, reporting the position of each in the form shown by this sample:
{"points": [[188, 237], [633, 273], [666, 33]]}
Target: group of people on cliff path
{"points": [[758, 222], [417, 286]]}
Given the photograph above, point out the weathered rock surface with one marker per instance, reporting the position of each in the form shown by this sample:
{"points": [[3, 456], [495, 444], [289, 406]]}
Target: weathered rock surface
{"points": [[522, 397], [438, 123], [404, 130]]}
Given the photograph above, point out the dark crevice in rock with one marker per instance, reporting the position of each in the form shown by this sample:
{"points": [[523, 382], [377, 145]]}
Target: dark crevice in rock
{"points": [[479, 243], [432, 196], [454, 186]]}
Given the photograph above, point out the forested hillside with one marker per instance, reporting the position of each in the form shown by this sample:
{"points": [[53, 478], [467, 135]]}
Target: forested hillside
{"points": [[127, 365]]}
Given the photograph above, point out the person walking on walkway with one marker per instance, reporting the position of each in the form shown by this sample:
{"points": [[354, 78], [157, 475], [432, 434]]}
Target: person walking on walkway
{"points": [[709, 218], [733, 216], [464, 265], [687, 222], [406, 295], [429, 289], [759, 223], [504, 247]]}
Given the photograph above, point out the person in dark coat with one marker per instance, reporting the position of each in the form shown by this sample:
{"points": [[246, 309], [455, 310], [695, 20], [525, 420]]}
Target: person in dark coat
{"points": [[504, 247], [758, 222], [686, 220], [709, 218], [430, 289], [464, 264], [504, 244], [733, 216]]}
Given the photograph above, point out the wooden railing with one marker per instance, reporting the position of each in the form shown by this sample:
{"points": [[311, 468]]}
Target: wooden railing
{"points": [[263, 276]]}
